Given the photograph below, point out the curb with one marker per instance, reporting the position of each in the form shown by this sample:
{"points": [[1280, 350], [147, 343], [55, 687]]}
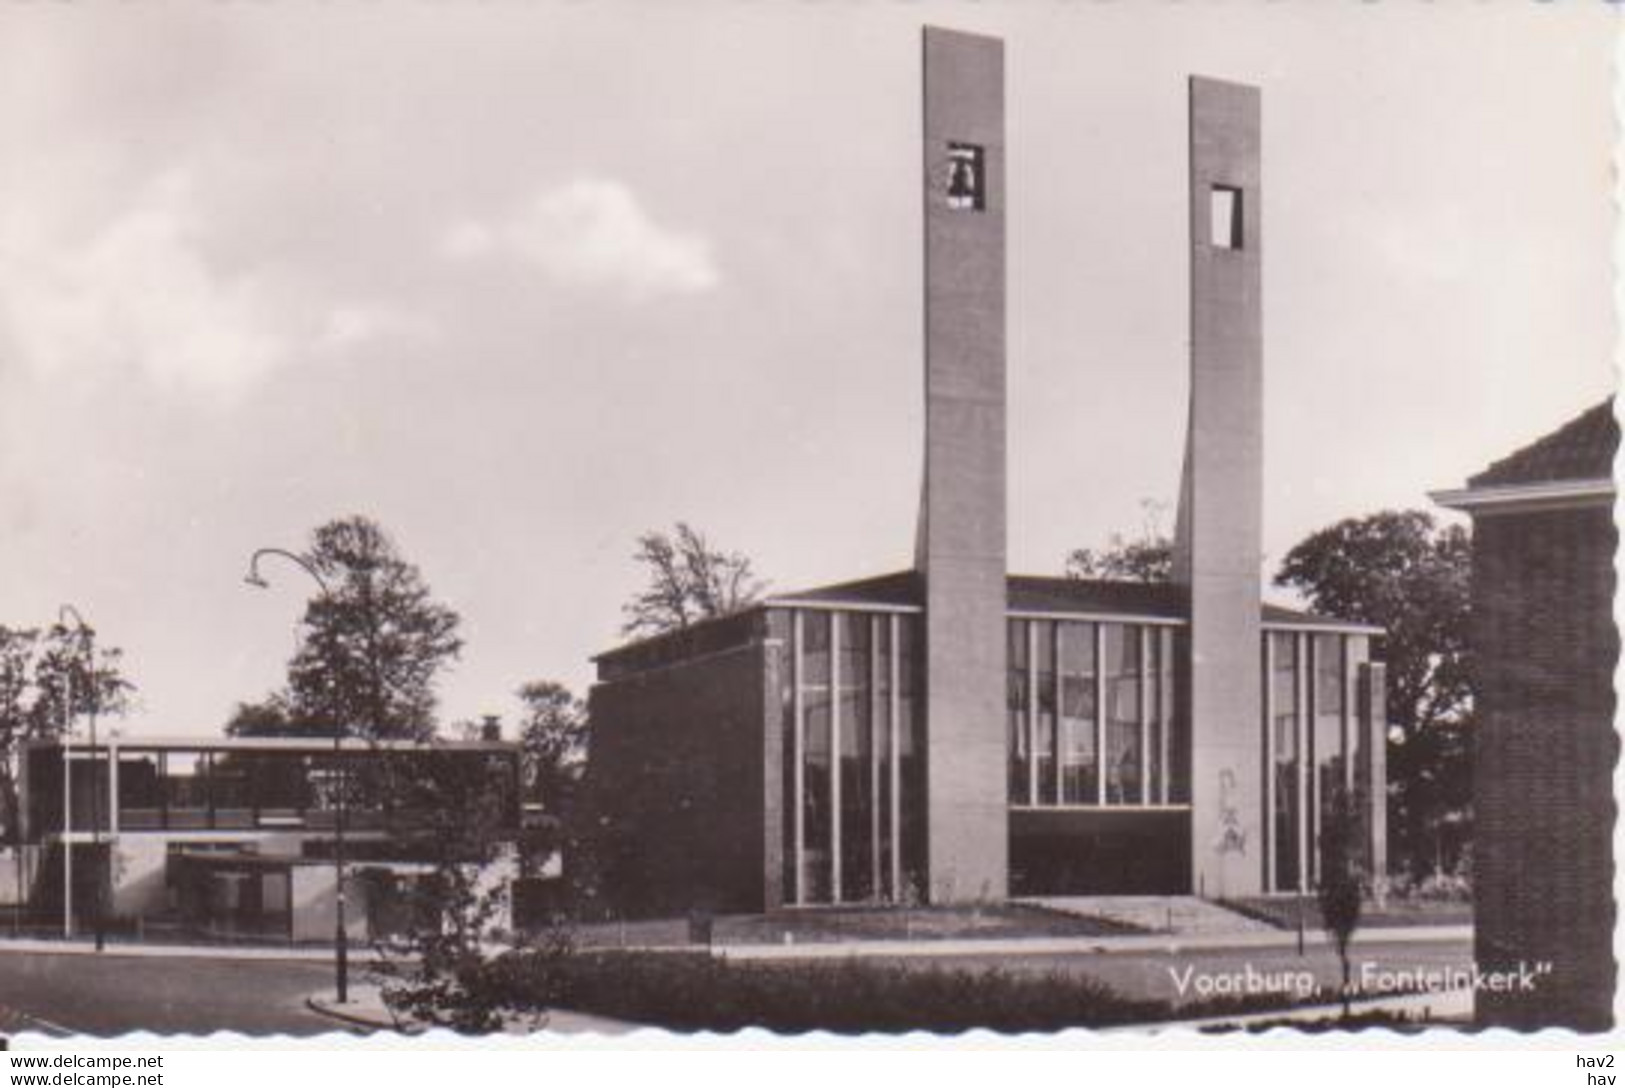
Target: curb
{"points": [[1137, 945], [183, 951], [357, 1019], [1125, 945]]}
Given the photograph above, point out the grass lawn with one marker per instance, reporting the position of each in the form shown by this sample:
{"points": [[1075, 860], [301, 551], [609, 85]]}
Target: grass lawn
{"points": [[1282, 912], [823, 926]]}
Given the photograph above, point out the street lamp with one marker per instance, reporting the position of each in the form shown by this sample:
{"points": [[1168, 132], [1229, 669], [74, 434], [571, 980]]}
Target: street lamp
{"points": [[341, 940], [88, 641]]}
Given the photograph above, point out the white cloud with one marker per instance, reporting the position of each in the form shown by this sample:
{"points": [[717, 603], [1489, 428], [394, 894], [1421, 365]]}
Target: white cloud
{"points": [[348, 327], [136, 291], [593, 233]]}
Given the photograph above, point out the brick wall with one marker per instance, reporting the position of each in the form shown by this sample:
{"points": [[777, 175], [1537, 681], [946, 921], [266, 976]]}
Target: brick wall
{"points": [[1545, 647], [675, 802]]}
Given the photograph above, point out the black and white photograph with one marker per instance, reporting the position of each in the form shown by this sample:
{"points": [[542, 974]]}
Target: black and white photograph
{"points": [[555, 522]]}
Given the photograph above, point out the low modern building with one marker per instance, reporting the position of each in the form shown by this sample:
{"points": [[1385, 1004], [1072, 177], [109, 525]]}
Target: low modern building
{"points": [[233, 836], [1544, 650], [955, 733], [777, 757]]}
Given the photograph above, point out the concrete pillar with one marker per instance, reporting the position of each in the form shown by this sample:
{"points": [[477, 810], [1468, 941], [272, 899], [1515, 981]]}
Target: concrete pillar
{"points": [[1372, 773], [1218, 549], [961, 547]]}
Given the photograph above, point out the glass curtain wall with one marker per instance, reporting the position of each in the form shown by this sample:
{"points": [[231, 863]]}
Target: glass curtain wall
{"points": [[1307, 727], [1020, 698], [853, 772], [1285, 745], [1331, 765], [1080, 691], [1080, 764], [1123, 721]]}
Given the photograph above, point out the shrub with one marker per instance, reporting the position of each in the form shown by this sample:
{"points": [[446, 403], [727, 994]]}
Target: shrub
{"points": [[695, 992]]}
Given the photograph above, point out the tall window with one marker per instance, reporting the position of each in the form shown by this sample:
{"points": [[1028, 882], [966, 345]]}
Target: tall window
{"points": [[817, 826], [856, 794], [1093, 718], [1123, 755], [1080, 765], [1284, 827], [1044, 747], [1330, 762], [851, 758], [1019, 700]]}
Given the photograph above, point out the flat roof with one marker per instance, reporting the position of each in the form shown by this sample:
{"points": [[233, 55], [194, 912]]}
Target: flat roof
{"points": [[279, 744], [1032, 594], [1027, 595]]}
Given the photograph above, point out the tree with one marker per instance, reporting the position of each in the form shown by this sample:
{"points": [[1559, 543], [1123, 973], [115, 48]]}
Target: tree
{"points": [[553, 753], [45, 682], [689, 580], [16, 717], [269, 717], [1147, 558], [73, 676], [553, 742], [446, 966], [373, 644], [1342, 876], [1403, 572]]}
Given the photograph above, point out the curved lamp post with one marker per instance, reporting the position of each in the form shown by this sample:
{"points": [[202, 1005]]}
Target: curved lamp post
{"points": [[341, 942], [88, 639]]}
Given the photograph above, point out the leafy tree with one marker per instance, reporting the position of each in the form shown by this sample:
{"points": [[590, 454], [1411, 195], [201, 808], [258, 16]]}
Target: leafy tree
{"points": [[689, 580], [1148, 557], [1342, 876], [553, 742], [16, 717], [1402, 571], [445, 966], [553, 753], [373, 644], [46, 681], [73, 676], [269, 717]]}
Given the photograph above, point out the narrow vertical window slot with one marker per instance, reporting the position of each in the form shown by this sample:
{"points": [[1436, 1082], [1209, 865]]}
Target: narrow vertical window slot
{"points": [[1225, 220]]}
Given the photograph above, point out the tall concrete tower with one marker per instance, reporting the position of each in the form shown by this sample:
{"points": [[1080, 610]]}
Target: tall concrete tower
{"points": [[1218, 543], [961, 546]]}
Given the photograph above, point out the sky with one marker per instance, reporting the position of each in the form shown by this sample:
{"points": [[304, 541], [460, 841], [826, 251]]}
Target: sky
{"points": [[523, 281]]}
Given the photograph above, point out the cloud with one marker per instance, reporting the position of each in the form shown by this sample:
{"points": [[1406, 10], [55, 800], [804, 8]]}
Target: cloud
{"points": [[137, 291], [592, 233], [347, 327]]}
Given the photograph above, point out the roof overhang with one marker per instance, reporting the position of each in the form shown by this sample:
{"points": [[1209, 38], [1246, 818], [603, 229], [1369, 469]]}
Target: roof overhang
{"points": [[319, 745], [1527, 498]]}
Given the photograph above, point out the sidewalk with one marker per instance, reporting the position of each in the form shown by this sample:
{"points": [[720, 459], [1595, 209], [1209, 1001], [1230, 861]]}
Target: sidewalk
{"points": [[312, 954], [1129, 945], [366, 1011], [1006, 946]]}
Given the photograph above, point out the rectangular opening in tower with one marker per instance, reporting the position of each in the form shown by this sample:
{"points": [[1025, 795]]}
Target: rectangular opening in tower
{"points": [[1225, 217], [967, 183]]}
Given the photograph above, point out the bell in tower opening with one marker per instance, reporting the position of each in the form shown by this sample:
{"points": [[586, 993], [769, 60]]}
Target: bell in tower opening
{"points": [[967, 190]]}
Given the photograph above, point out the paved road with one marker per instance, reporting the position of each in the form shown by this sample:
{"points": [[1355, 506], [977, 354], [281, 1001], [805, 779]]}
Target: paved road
{"points": [[111, 994]]}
